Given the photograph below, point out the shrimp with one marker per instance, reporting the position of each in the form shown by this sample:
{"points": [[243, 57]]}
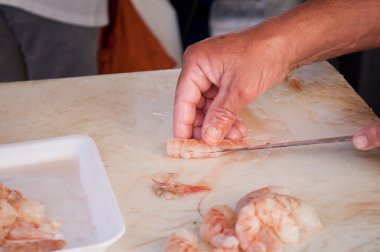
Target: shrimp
{"points": [[192, 148], [9, 195], [23, 225], [267, 219], [182, 241], [23, 230], [264, 220], [217, 229], [258, 193], [40, 246], [165, 186]]}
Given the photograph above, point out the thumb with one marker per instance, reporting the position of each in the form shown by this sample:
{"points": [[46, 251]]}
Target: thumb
{"points": [[367, 138], [221, 115]]}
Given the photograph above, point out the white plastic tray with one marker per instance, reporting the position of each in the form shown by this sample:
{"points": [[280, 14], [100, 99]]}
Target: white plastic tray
{"points": [[67, 176]]}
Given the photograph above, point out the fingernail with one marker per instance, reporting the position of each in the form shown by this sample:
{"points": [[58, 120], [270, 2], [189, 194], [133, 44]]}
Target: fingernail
{"points": [[214, 135], [360, 141]]}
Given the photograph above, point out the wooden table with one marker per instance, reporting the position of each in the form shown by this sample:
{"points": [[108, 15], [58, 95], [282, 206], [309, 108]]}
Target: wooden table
{"points": [[130, 116]]}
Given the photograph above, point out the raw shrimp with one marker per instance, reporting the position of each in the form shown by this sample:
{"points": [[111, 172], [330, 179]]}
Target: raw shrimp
{"points": [[267, 219], [165, 186], [23, 230], [259, 193], [182, 241], [192, 148], [264, 221], [9, 195], [217, 229], [40, 246], [23, 225]]}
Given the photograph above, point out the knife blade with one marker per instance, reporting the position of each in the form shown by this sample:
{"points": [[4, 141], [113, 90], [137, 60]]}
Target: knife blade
{"points": [[290, 144]]}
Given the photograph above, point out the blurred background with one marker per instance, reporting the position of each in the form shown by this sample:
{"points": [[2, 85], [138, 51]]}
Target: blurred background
{"points": [[141, 35]]}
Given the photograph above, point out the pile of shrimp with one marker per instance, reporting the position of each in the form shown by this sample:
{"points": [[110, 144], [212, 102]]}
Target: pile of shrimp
{"points": [[23, 225], [264, 220]]}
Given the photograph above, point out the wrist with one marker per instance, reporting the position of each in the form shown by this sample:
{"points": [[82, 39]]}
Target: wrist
{"points": [[273, 44]]}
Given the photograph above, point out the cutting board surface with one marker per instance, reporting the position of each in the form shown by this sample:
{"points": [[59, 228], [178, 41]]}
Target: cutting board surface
{"points": [[130, 117]]}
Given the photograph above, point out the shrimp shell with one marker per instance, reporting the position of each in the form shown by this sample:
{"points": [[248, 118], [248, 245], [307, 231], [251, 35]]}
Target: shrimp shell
{"points": [[193, 148], [165, 186]]}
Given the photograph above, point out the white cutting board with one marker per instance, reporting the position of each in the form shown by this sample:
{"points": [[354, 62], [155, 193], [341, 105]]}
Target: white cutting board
{"points": [[130, 117]]}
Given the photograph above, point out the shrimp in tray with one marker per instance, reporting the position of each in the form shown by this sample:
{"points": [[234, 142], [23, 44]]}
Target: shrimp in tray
{"points": [[23, 225], [193, 148], [266, 220], [166, 186]]}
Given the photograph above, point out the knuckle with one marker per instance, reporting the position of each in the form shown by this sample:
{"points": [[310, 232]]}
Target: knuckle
{"points": [[190, 51], [377, 133], [225, 115], [240, 95], [243, 95]]}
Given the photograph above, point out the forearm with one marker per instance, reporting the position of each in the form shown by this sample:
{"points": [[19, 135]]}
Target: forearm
{"points": [[221, 75], [322, 29]]}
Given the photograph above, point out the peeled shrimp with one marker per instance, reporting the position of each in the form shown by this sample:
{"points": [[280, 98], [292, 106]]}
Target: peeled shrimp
{"points": [[264, 220], [267, 219], [23, 225], [12, 196], [217, 229], [30, 246], [192, 148], [182, 241], [165, 186]]}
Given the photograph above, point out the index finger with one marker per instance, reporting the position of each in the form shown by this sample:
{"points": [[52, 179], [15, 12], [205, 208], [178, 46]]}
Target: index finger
{"points": [[192, 82]]}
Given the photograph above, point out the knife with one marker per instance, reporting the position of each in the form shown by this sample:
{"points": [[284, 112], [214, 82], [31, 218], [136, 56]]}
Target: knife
{"points": [[290, 144]]}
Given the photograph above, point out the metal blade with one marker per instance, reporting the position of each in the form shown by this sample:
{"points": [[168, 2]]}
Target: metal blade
{"points": [[292, 144]]}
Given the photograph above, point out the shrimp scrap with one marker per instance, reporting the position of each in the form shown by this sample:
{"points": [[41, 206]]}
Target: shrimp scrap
{"points": [[193, 148], [264, 220], [294, 83], [166, 187], [23, 225]]}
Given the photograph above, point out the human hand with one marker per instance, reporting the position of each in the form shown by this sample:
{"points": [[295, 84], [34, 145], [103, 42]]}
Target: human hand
{"points": [[367, 138], [220, 76]]}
